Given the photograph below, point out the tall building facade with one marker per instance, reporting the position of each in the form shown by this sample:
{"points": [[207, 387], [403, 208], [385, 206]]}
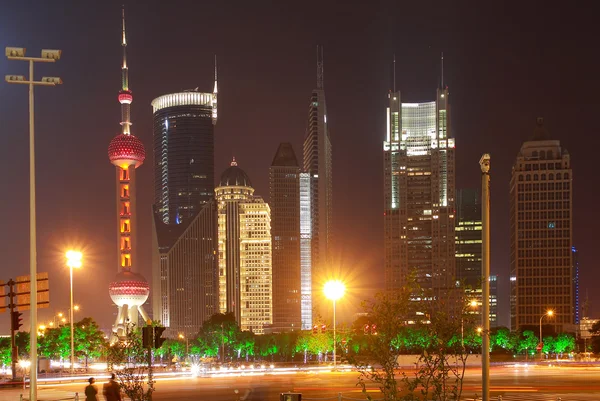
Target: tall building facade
{"points": [[184, 145], [419, 193], [184, 275], [468, 243], [541, 210], [468, 238], [576, 305], [318, 164], [244, 250], [126, 152], [185, 263], [306, 309], [284, 190]]}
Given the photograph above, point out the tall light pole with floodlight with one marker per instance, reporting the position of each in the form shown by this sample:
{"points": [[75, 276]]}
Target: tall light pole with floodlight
{"points": [[484, 163], [48, 56], [73, 261], [334, 290], [548, 313]]}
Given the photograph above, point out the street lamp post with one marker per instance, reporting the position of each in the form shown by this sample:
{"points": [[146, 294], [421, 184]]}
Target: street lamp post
{"points": [[484, 163], [187, 344], [549, 313], [73, 261], [334, 290], [48, 56], [472, 304]]}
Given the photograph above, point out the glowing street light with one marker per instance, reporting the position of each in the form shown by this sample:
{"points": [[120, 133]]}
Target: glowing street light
{"points": [[548, 313], [187, 344], [334, 290], [47, 56], [73, 261], [473, 304]]}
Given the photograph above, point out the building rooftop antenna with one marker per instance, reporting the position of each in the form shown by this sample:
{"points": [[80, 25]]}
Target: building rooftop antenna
{"points": [[320, 74], [442, 70], [215, 90], [394, 73]]}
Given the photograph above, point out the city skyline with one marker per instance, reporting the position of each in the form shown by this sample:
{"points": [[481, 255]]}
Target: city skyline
{"points": [[64, 220]]}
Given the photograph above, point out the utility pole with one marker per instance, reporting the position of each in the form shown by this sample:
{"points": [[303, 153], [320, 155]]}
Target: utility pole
{"points": [[485, 275], [13, 347]]}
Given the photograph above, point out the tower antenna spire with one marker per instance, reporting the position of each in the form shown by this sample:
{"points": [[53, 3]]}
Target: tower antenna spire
{"points": [[125, 96], [215, 90], [320, 67], [394, 73], [442, 70]]}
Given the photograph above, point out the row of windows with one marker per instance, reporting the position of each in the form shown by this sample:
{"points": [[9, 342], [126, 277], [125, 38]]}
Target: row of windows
{"points": [[551, 186], [543, 281], [566, 274], [544, 291], [544, 243], [544, 233], [544, 262], [543, 177], [541, 215], [528, 196], [543, 205], [544, 253]]}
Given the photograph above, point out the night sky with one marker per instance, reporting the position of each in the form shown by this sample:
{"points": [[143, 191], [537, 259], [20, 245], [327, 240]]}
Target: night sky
{"points": [[504, 66]]}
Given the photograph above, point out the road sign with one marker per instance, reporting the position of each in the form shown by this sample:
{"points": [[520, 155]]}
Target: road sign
{"points": [[540, 346], [23, 300]]}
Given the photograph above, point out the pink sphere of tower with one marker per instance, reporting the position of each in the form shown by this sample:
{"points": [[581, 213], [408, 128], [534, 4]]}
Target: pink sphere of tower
{"points": [[129, 288], [126, 150]]}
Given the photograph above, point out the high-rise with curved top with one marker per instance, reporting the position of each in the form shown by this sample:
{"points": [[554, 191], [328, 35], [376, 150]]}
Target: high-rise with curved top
{"points": [[184, 262], [245, 273], [184, 143], [126, 152]]}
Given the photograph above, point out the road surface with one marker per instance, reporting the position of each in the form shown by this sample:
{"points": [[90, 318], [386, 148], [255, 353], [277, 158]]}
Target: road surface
{"points": [[511, 382]]}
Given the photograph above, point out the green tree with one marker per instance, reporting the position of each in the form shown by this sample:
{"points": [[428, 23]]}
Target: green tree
{"points": [[175, 347], [527, 342], [564, 343], [377, 362], [88, 340], [303, 343], [129, 361], [5, 351], [548, 345], [220, 331]]}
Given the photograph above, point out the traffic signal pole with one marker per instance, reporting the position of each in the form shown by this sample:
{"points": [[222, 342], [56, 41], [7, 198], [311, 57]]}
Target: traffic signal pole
{"points": [[13, 346]]}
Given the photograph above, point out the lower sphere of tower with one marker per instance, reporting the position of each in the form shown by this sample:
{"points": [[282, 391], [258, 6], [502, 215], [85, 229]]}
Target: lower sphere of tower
{"points": [[129, 288]]}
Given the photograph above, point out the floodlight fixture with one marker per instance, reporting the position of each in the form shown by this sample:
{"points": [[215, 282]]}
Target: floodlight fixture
{"points": [[51, 54], [52, 80], [15, 52]]}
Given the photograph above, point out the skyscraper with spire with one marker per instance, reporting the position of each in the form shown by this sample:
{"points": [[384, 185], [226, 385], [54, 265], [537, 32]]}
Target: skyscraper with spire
{"points": [[126, 152], [184, 266], [318, 165], [418, 209]]}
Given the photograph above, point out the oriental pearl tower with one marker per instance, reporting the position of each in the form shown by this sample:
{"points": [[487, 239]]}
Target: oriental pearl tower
{"points": [[129, 290]]}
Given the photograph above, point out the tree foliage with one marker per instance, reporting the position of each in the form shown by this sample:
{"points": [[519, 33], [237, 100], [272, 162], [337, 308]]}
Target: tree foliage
{"points": [[129, 361]]}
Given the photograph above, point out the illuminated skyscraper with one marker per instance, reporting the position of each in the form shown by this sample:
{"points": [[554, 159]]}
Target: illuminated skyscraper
{"points": [[468, 238], [184, 144], [306, 251], [184, 263], [284, 188], [318, 163], [469, 249], [541, 210], [126, 152], [419, 193], [245, 274]]}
